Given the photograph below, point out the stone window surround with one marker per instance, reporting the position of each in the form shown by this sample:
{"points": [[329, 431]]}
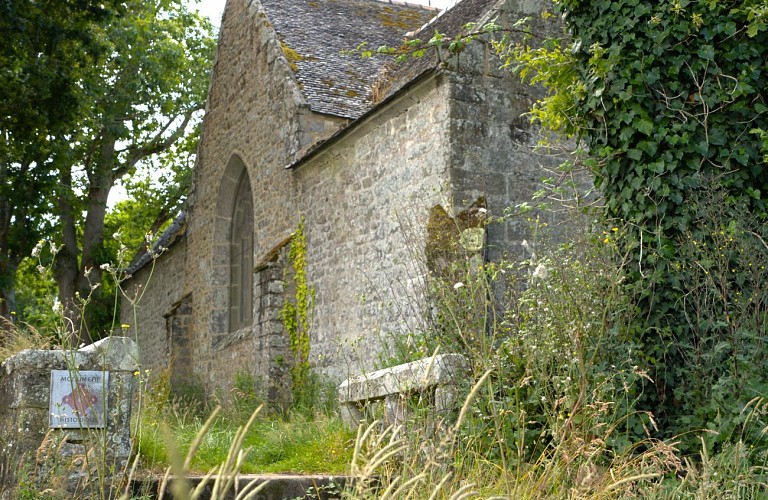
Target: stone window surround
{"points": [[222, 334], [241, 258]]}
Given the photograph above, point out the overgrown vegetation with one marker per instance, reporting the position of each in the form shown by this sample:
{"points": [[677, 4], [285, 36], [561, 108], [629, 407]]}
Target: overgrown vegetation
{"points": [[298, 441], [92, 97], [669, 100], [556, 409]]}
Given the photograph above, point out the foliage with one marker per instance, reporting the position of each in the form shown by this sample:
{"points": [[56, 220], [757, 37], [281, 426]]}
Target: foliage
{"points": [[294, 443], [45, 51], [669, 99], [35, 295], [136, 95], [222, 477], [296, 319], [17, 338], [716, 359], [554, 411]]}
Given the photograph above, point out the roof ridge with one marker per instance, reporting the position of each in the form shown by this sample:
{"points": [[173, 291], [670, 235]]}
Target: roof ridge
{"points": [[440, 14], [421, 28], [331, 83], [411, 5]]}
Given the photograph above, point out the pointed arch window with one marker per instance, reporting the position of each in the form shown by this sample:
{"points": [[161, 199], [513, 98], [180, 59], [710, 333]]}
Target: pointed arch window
{"points": [[241, 258]]}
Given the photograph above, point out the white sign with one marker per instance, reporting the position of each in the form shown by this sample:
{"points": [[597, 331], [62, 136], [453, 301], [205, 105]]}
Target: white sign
{"points": [[77, 398]]}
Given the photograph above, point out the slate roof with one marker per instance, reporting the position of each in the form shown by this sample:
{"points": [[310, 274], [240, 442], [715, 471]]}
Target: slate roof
{"points": [[314, 32], [449, 23], [169, 237], [394, 77]]}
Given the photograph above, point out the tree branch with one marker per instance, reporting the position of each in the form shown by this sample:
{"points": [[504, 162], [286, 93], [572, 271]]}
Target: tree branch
{"points": [[155, 145]]}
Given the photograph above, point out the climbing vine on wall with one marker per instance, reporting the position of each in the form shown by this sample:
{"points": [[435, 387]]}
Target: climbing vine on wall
{"points": [[296, 312], [670, 100]]}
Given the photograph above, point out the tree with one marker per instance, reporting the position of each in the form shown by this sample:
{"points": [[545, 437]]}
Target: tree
{"points": [[136, 103], [670, 100], [45, 48], [145, 94]]}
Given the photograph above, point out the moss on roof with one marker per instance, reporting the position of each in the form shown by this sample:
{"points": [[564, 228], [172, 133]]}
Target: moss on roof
{"points": [[314, 33]]}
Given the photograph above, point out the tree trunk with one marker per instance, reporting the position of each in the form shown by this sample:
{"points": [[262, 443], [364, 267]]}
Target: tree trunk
{"points": [[7, 292], [66, 265], [101, 178], [78, 274], [7, 274], [10, 257]]}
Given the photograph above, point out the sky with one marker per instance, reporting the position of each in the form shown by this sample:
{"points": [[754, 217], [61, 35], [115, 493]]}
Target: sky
{"points": [[214, 8], [211, 8]]}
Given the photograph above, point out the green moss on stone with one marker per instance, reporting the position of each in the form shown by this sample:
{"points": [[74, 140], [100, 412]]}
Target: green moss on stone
{"points": [[404, 20], [292, 56]]}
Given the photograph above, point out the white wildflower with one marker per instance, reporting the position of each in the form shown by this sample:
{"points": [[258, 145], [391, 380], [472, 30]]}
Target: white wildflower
{"points": [[458, 285], [38, 248], [540, 272]]}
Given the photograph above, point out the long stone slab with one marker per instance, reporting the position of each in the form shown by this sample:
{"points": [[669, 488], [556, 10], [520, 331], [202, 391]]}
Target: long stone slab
{"points": [[444, 373], [279, 487]]}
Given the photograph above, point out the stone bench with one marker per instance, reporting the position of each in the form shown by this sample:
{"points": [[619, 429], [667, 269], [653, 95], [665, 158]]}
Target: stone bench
{"points": [[443, 373]]}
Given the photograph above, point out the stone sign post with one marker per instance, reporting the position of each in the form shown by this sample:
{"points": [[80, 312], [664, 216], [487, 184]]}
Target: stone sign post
{"points": [[65, 417]]}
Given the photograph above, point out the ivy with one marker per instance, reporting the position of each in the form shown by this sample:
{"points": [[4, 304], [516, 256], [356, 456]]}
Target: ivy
{"points": [[295, 315], [670, 100]]}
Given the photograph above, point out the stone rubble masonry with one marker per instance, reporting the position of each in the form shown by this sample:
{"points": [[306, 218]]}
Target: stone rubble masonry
{"points": [[27, 445], [452, 136], [152, 296]]}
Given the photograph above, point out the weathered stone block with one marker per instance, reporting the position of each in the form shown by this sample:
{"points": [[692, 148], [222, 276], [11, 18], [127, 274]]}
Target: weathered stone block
{"points": [[443, 373], [25, 383]]}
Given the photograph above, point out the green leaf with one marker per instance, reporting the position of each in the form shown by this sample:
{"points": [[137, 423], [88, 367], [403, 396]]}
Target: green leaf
{"points": [[652, 76], [644, 126], [717, 136], [706, 52]]}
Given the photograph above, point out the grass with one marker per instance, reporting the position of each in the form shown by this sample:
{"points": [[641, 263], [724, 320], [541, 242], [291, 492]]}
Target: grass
{"points": [[17, 338], [297, 443], [552, 412]]}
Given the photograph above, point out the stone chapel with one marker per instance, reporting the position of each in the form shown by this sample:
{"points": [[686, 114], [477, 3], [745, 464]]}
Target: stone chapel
{"points": [[363, 151]]}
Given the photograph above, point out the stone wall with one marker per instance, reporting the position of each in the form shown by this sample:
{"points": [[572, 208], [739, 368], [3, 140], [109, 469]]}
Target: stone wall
{"points": [[494, 151], [256, 117], [366, 200], [153, 296], [450, 138], [31, 450]]}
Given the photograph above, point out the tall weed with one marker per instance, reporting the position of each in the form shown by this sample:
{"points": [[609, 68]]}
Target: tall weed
{"points": [[557, 413]]}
